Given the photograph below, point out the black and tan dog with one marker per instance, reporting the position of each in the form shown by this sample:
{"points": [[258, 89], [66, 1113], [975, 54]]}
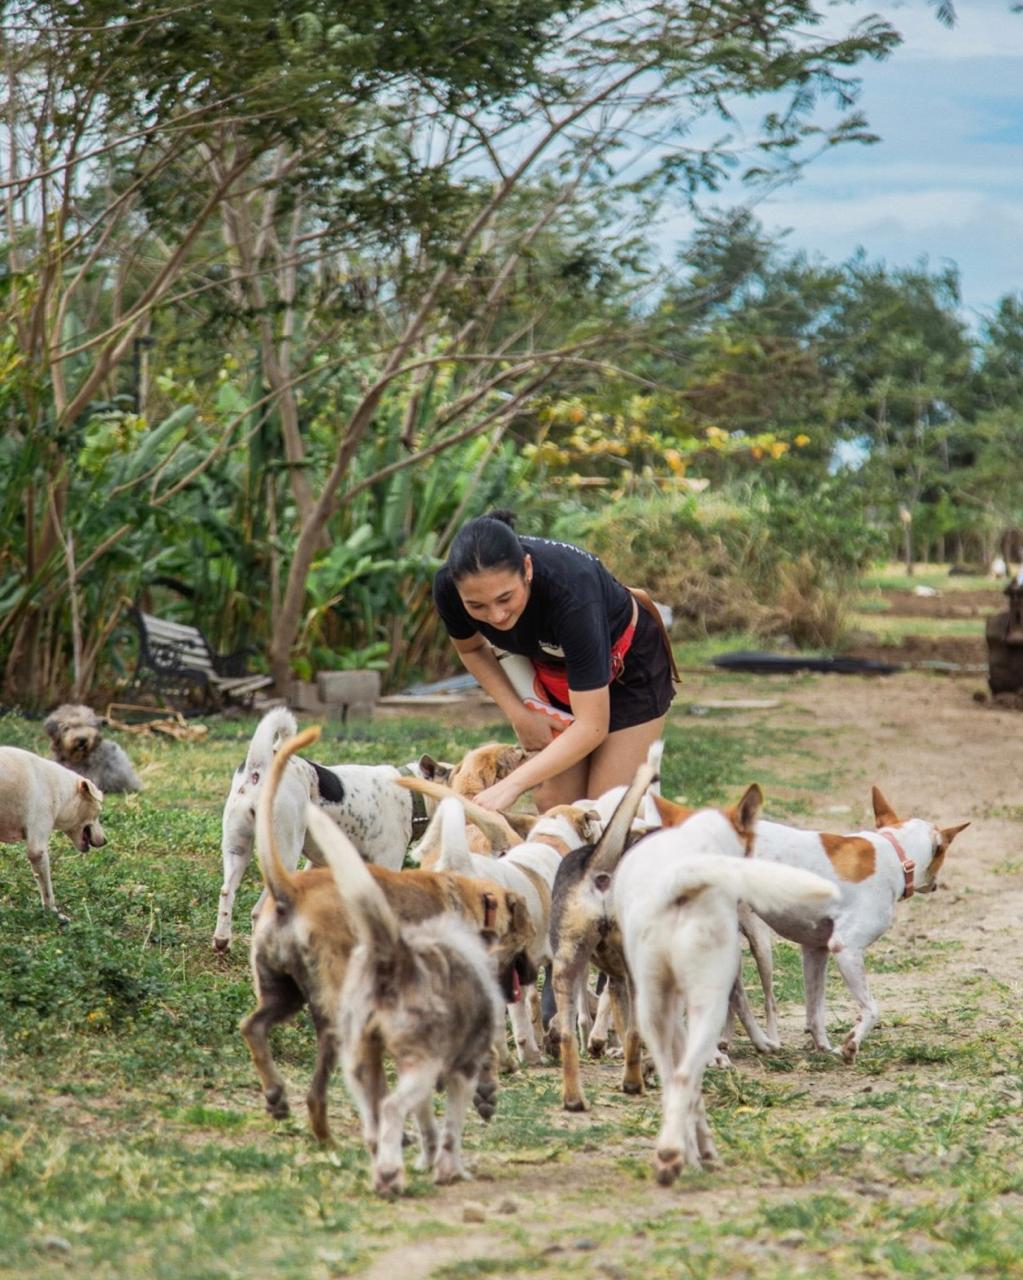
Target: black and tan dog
{"points": [[583, 929], [304, 935]]}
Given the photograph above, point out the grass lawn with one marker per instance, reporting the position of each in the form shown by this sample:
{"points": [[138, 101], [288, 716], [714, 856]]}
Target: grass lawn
{"points": [[893, 577], [133, 1141]]}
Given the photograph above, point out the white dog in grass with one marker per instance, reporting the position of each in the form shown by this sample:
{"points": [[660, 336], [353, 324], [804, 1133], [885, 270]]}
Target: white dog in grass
{"points": [[38, 797], [676, 898]]}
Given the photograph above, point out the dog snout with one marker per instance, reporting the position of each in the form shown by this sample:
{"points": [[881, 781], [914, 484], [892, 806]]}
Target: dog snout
{"points": [[94, 837]]}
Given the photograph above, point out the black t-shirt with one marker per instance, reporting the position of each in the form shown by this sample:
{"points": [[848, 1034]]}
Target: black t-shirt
{"points": [[575, 612]]}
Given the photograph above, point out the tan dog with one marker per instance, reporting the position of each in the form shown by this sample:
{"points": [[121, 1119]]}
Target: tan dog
{"points": [[303, 938], [482, 767], [38, 797], [426, 996]]}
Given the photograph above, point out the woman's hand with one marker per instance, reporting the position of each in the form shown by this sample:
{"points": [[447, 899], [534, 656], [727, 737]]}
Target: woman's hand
{"points": [[502, 795], [533, 729]]}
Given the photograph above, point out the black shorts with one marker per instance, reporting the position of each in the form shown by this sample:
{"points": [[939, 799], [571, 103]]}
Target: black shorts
{"points": [[644, 690]]}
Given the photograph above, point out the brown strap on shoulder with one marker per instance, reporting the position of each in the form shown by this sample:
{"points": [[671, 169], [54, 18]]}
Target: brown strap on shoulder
{"points": [[644, 599]]}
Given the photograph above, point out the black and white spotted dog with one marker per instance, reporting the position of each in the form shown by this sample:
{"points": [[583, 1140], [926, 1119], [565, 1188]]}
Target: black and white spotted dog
{"points": [[378, 817]]}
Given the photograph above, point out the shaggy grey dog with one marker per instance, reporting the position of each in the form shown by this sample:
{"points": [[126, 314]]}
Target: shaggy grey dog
{"points": [[78, 743]]}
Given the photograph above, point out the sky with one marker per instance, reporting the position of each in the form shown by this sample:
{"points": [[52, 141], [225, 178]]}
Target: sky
{"points": [[945, 182]]}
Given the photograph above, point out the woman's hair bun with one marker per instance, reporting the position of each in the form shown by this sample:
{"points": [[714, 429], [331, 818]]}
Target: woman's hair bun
{"points": [[505, 517]]}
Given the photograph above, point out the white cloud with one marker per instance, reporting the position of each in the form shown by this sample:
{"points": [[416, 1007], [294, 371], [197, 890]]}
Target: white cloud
{"points": [[983, 29]]}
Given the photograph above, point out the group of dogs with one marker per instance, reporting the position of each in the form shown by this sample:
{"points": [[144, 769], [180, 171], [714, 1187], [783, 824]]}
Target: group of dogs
{"points": [[420, 966]]}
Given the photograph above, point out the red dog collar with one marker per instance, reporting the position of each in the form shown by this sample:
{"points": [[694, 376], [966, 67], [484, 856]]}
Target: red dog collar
{"points": [[908, 865]]}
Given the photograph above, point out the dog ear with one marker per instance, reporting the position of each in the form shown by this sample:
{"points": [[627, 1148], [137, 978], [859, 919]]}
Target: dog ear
{"points": [[670, 813], [519, 914], [948, 834], [434, 770], [591, 825], [744, 814], [884, 814], [507, 759], [89, 791]]}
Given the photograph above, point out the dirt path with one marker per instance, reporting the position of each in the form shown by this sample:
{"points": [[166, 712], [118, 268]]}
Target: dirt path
{"points": [[937, 753]]}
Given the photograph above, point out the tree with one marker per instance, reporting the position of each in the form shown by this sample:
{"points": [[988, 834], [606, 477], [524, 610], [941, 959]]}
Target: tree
{"points": [[276, 166]]}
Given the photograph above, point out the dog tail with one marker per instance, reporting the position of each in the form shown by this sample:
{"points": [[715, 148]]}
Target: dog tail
{"points": [[611, 844], [497, 829], [374, 921], [276, 876], [276, 726], [765, 886], [455, 855]]}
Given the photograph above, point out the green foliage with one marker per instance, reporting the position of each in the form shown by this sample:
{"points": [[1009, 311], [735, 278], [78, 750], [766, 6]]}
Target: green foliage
{"points": [[765, 558]]}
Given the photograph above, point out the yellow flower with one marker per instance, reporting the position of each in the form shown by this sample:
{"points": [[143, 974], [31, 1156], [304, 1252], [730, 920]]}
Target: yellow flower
{"points": [[801, 441]]}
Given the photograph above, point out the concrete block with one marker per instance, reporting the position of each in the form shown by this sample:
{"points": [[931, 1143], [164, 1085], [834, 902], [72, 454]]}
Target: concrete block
{"points": [[352, 689], [305, 696]]}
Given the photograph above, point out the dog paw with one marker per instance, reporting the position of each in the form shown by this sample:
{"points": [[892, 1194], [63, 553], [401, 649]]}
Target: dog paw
{"points": [[447, 1169], [277, 1104], [667, 1166], [485, 1099], [389, 1181]]}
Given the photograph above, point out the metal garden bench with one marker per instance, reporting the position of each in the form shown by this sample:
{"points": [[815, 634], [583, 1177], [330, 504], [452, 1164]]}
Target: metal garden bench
{"points": [[176, 662]]}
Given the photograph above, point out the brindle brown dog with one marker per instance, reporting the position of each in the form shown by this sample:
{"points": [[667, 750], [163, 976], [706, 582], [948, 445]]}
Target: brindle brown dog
{"points": [[426, 996], [303, 938]]}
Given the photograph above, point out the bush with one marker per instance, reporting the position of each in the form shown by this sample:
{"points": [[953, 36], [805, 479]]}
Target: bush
{"points": [[772, 561]]}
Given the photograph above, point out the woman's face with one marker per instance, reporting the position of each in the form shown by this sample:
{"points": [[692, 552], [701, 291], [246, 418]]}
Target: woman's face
{"points": [[496, 596]]}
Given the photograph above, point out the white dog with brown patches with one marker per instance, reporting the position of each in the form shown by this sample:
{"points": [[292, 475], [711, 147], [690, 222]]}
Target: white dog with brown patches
{"points": [[38, 797], [873, 871], [676, 899]]}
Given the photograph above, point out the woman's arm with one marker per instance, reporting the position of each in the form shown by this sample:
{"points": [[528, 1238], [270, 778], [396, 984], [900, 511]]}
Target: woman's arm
{"points": [[532, 728], [589, 729]]}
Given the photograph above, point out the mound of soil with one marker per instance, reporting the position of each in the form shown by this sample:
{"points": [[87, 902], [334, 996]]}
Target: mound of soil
{"points": [[963, 650], [952, 604]]}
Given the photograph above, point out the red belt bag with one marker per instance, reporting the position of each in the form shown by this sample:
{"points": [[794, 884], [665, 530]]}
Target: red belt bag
{"points": [[554, 679]]}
